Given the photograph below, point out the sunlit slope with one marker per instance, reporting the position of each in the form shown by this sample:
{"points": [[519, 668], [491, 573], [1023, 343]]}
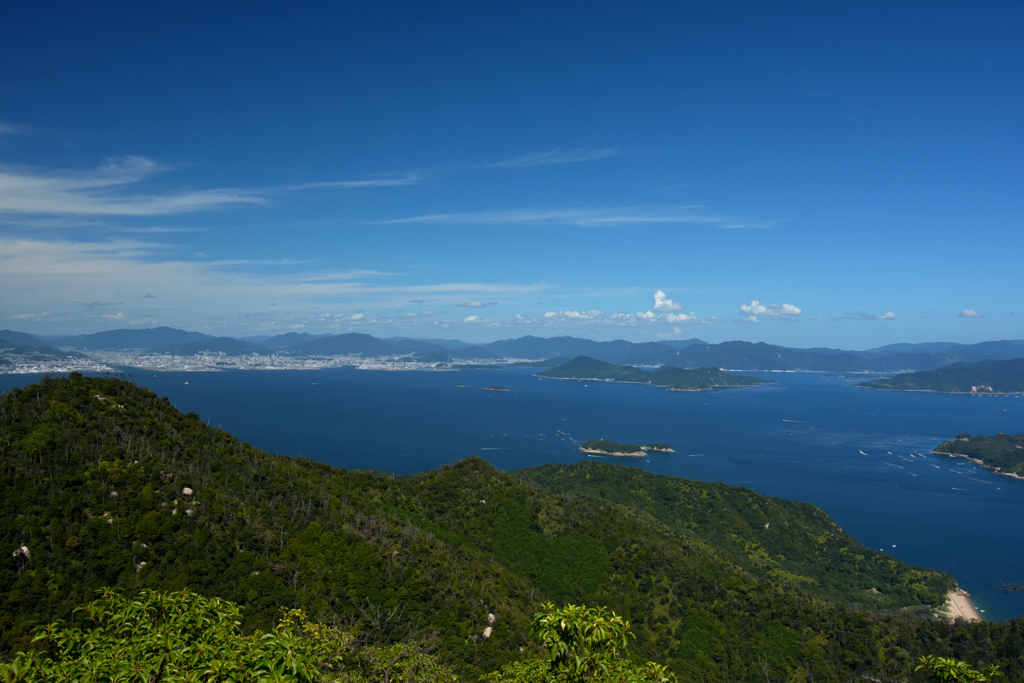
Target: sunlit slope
{"points": [[774, 539]]}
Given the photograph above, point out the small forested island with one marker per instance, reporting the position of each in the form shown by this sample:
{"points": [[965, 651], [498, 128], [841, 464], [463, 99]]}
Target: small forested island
{"points": [[606, 447], [495, 388], [1003, 453], [672, 378], [983, 378], [660, 447], [143, 535]]}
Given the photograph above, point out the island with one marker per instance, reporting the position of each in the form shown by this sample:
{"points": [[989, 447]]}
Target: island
{"points": [[606, 447], [659, 447], [1003, 453], [985, 377], [669, 377], [495, 388]]}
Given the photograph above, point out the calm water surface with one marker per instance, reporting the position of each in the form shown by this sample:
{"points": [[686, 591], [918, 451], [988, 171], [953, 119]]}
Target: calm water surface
{"points": [[861, 455]]}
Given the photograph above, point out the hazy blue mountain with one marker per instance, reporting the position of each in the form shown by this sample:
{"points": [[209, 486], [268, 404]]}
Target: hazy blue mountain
{"points": [[149, 339], [21, 338], [926, 347], [950, 352], [256, 339], [473, 352], [353, 343], [741, 355], [998, 350], [33, 352], [226, 345], [453, 344], [289, 339], [682, 343], [538, 347]]}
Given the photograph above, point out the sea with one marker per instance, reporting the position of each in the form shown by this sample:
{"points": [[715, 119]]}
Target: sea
{"points": [[863, 456]]}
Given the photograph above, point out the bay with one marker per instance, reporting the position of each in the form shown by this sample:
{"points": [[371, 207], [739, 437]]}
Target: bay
{"points": [[861, 455]]}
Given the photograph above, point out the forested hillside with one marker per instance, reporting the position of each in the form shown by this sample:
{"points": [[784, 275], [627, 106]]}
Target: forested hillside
{"points": [[105, 484], [1003, 452], [984, 377]]}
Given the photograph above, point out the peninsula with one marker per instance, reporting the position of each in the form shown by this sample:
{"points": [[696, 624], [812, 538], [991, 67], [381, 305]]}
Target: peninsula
{"points": [[672, 378], [1003, 453], [986, 377], [606, 447]]}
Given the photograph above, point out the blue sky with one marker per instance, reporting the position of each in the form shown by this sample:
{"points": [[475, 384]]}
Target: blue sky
{"points": [[844, 174]]}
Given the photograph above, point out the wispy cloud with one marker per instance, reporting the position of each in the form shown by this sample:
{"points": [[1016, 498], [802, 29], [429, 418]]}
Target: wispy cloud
{"points": [[619, 318], [476, 304], [100, 192], [53, 274], [553, 158], [591, 218], [861, 315], [12, 129], [970, 313], [376, 181]]}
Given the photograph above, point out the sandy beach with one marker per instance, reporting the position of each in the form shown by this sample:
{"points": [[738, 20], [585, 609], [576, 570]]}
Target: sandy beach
{"points": [[958, 606]]}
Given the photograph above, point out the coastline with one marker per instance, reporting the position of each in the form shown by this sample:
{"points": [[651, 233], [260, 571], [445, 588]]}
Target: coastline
{"points": [[641, 454], [951, 393], [976, 461], [958, 606], [666, 387]]}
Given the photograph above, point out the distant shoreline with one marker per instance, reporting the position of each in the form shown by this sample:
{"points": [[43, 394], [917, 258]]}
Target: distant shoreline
{"points": [[641, 454], [649, 384], [976, 461], [952, 393]]}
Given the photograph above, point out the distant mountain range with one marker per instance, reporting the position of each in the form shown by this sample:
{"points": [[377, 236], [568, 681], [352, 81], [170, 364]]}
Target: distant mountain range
{"points": [[690, 353], [29, 346], [151, 339]]}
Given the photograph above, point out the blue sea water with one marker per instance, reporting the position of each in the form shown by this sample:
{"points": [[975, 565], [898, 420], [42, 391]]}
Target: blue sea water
{"points": [[861, 455]]}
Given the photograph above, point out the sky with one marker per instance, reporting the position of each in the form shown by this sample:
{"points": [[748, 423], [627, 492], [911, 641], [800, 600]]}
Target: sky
{"points": [[806, 173]]}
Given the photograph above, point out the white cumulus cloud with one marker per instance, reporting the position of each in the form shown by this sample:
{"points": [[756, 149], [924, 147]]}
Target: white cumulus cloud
{"points": [[755, 308], [592, 314], [663, 304], [472, 319], [971, 313]]}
